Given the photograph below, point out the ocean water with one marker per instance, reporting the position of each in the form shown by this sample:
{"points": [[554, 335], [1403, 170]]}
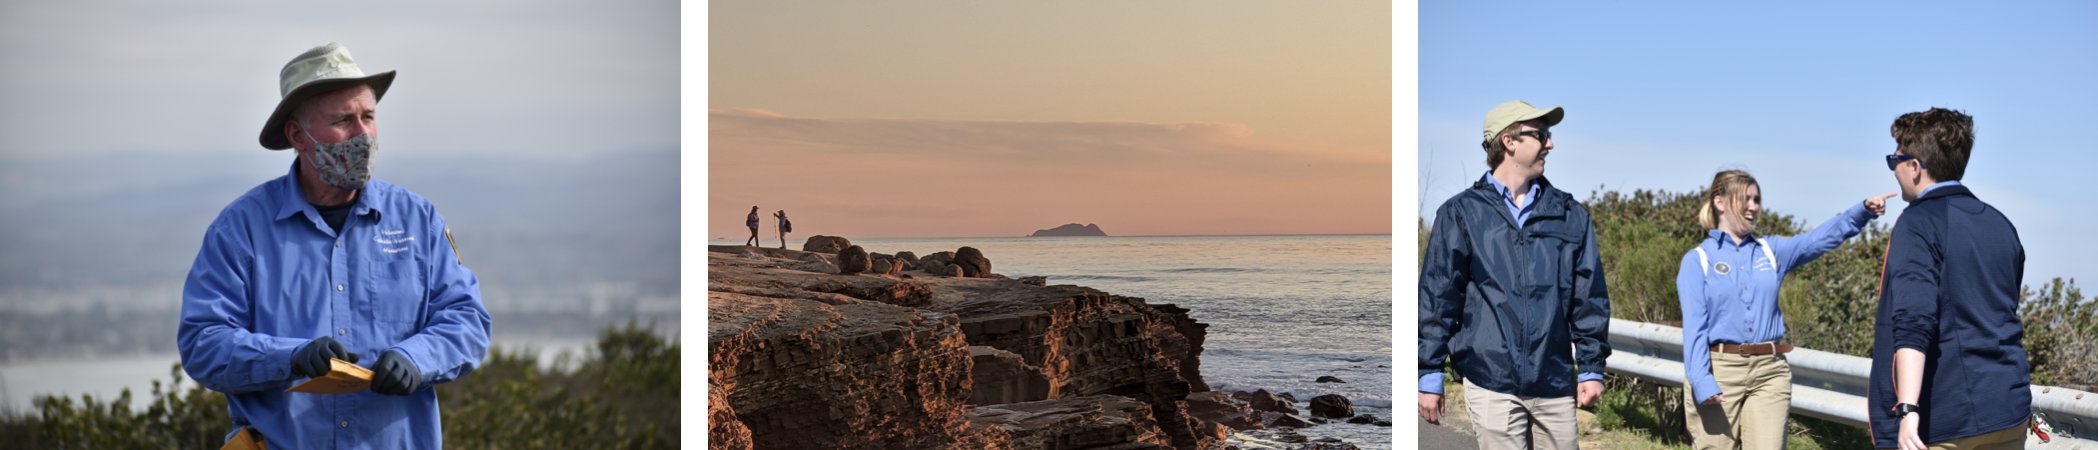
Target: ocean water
{"points": [[1282, 310]]}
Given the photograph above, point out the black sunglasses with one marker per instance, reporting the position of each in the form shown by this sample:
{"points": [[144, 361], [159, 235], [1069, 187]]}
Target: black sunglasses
{"points": [[1542, 135], [1895, 161]]}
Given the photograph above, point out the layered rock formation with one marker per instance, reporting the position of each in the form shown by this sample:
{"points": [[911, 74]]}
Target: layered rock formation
{"points": [[1071, 229], [1101, 422], [814, 359], [805, 374]]}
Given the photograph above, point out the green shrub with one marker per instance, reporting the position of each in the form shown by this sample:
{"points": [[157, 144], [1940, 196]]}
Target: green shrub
{"points": [[623, 396], [2061, 334]]}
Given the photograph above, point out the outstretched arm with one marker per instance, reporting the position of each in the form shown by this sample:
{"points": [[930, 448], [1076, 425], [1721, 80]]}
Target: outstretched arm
{"points": [[1800, 250]]}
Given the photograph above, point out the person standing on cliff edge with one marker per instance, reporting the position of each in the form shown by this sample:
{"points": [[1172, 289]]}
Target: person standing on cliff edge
{"points": [[326, 263], [784, 227], [1514, 258], [753, 224]]}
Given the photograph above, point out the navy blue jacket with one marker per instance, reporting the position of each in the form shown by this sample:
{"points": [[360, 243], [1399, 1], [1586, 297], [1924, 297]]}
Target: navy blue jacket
{"points": [[1508, 303], [1950, 290]]}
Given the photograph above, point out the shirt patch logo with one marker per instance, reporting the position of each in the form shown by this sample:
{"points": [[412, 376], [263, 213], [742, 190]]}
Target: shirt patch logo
{"points": [[1722, 268], [392, 238]]}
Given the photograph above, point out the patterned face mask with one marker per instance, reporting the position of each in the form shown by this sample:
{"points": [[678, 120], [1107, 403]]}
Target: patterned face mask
{"points": [[346, 164]]}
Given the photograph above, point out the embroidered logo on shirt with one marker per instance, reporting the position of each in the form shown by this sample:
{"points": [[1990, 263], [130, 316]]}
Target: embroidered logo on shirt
{"points": [[1722, 268], [392, 238]]}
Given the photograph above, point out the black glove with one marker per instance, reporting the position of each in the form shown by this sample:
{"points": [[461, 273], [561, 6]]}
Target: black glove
{"points": [[396, 375], [311, 360]]}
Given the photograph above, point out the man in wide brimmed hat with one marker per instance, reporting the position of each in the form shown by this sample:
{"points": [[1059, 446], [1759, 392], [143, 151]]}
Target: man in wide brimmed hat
{"points": [[326, 263]]}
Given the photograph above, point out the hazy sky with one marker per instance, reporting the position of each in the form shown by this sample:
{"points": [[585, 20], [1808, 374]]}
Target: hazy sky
{"points": [[947, 118], [125, 127], [1660, 95], [491, 77]]}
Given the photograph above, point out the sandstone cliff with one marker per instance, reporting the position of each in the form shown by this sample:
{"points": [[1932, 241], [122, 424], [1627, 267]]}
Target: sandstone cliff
{"points": [[914, 361]]}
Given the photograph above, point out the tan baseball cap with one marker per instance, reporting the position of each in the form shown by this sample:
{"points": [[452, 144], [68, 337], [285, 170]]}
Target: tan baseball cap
{"points": [[318, 71], [1516, 111]]}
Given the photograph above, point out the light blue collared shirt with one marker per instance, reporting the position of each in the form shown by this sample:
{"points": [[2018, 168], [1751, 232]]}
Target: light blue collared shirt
{"points": [[1521, 212], [1432, 383], [271, 276], [1732, 297], [1926, 190]]}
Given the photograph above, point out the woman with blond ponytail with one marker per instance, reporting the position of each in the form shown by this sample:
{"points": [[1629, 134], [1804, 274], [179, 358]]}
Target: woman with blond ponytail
{"points": [[1738, 387]]}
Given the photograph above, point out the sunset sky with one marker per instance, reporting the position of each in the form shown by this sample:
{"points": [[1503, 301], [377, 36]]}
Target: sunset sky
{"points": [[961, 119]]}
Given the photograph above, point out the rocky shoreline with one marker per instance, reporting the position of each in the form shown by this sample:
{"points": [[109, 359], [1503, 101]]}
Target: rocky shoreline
{"points": [[835, 347]]}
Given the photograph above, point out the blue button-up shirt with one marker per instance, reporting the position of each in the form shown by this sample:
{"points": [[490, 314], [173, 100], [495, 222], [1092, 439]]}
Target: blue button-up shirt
{"points": [[1522, 211], [1432, 383], [1732, 297], [271, 276]]}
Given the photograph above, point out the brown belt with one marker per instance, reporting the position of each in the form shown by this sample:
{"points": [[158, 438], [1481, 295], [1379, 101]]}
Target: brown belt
{"points": [[1752, 349]]}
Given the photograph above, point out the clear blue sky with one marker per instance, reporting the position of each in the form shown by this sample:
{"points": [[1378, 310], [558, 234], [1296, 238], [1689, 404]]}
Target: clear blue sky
{"points": [[1661, 95]]}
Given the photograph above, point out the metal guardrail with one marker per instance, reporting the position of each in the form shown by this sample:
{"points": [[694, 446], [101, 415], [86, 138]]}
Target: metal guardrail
{"points": [[1832, 386]]}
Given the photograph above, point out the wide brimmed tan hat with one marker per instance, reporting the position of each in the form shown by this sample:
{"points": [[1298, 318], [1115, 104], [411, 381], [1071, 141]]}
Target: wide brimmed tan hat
{"points": [[1516, 111], [318, 71]]}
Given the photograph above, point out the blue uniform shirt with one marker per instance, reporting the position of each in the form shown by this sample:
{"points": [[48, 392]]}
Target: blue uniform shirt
{"points": [[271, 277], [1432, 383], [1738, 305]]}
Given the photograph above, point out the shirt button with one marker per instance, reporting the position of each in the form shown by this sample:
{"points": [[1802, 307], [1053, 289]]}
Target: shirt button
{"points": [[345, 424], [342, 331], [338, 287], [338, 243]]}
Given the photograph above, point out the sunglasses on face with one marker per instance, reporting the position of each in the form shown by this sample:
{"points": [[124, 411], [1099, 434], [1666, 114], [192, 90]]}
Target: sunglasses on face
{"points": [[1542, 135], [1896, 160]]}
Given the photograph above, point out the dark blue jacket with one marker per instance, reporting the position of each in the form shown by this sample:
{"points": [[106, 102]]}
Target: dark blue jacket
{"points": [[1507, 303], [1950, 290]]}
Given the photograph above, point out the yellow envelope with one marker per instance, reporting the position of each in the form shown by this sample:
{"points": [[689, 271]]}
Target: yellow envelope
{"points": [[246, 439], [343, 377]]}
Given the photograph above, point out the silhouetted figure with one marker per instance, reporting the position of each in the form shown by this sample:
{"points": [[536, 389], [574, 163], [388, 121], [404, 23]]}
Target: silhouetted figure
{"points": [[784, 227], [753, 224]]}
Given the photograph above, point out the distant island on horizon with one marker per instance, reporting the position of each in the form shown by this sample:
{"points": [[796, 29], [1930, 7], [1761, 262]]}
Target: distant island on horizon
{"points": [[1071, 229]]}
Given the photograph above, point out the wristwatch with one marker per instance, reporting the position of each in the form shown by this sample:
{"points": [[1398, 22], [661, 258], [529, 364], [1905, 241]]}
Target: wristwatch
{"points": [[1903, 409]]}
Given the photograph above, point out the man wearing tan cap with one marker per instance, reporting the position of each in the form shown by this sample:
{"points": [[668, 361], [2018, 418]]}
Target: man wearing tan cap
{"points": [[1512, 294], [326, 263]]}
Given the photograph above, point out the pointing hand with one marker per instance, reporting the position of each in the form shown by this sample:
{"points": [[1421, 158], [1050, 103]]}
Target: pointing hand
{"points": [[1878, 205]]}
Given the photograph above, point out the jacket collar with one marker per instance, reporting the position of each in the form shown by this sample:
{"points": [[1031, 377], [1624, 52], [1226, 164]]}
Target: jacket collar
{"points": [[1550, 202]]}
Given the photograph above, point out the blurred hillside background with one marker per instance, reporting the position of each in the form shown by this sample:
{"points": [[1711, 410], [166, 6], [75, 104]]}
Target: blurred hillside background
{"points": [[546, 133]]}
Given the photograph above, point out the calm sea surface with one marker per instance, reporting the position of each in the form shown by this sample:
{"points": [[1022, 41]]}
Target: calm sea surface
{"points": [[1282, 310]]}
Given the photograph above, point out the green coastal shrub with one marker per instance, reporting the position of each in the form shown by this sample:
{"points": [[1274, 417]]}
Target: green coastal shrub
{"points": [[622, 396]]}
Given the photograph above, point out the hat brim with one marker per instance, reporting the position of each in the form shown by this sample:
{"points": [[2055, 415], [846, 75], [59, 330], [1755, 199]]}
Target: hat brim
{"points": [[1551, 116], [273, 130]]}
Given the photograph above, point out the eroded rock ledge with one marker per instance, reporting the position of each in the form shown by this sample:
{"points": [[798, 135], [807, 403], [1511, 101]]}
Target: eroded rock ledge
{"points": [[807, 358]]}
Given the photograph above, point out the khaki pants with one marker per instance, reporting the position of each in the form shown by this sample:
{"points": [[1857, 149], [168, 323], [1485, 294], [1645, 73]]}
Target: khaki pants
{"points": [[1758, 394], [1508, 421], [2012, 438]]}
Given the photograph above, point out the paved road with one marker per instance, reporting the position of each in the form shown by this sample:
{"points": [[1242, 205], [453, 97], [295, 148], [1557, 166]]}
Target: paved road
{"points": [[1437, 437]]}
